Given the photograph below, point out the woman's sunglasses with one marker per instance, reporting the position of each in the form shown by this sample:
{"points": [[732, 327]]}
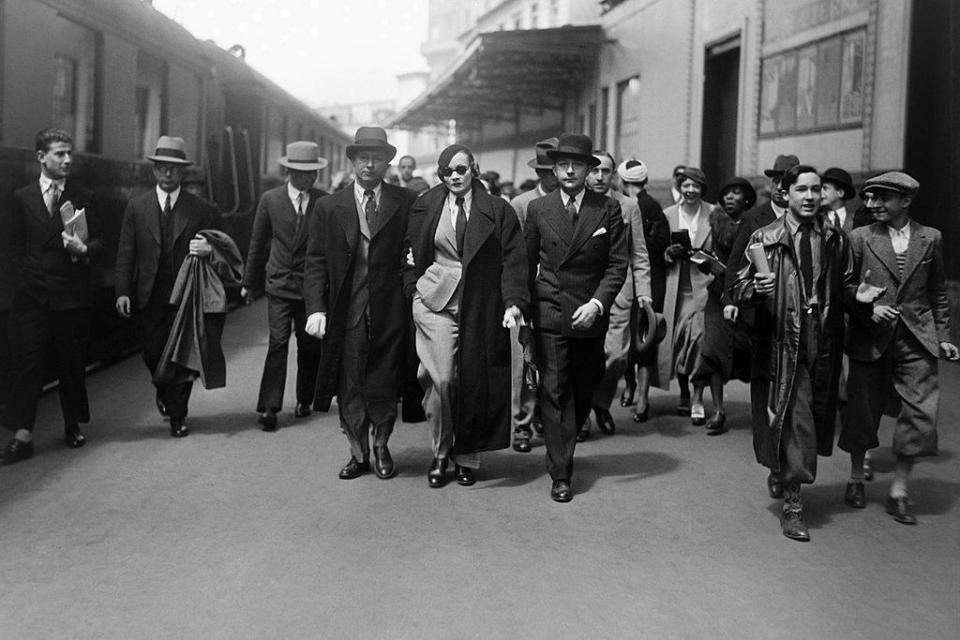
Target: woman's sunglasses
{"points": [[446, 172]]}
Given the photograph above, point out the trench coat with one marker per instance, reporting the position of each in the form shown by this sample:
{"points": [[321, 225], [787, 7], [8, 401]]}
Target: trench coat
{"points": [[494, 277], [836, 290], [333, 232]]}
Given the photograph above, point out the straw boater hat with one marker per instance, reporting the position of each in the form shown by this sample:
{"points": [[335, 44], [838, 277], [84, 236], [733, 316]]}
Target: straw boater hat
{"points": [[303, 155], [542, 160], [170, 149], [371, 139], [577, 146]]}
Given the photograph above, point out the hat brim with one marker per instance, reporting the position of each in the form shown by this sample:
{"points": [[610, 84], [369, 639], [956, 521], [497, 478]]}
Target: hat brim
{"points": [[884, 187], [848, 189], [321, 163], [353, 149], [644, 338], [169, 160], [591, 160], [533, 164], [772, 173]]}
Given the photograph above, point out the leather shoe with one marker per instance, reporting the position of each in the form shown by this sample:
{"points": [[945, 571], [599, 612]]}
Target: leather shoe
{"points": [[383, 463], [162, 408], [642, 416], [793, 526], [717, 423], [626, 398], [560, 492], [268, 419], [74, 437], [354, 469], [683, 409], [302, 410], [584, 431], [464, 476], [437, 475], [899, 508], [17, 451], [521, 441], [774, 488], [178, 428], [854, 496], [605, 421]]}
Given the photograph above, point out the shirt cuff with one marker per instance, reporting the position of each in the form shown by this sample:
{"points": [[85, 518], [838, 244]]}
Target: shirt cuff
{"points": [[598, 303]]}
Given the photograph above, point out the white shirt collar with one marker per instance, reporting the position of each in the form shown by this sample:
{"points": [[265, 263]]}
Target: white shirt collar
{"points": [[162, 197], [778, 210], [358, 192], [899, 233], [467, 201], [45, 183], [578, 198], [293, 193]]}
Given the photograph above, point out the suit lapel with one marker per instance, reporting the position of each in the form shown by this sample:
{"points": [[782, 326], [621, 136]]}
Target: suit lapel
{"points": [[299, 235], [389, 206], [556, 216], [881, 246], [347, 217], [703, 226], [588, 221], [479, 227], [181, 215], [916, 249]]}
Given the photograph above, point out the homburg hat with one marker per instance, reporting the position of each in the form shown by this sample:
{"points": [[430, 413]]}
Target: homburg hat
{"points": [[840, 178], [890, 181], [170, 149], [574, 145], [371, 139], [303, 155], [542, 160], [781, 165]]}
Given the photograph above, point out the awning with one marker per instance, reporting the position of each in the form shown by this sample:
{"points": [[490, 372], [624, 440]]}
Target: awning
{"points": [[502, 74]]}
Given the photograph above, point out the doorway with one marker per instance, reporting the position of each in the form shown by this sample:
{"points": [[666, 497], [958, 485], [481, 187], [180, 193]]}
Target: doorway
{"points": [[721, 98]]}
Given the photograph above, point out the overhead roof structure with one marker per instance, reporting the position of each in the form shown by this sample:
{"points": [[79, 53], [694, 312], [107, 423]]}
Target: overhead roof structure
{"points": [[502, 74]]}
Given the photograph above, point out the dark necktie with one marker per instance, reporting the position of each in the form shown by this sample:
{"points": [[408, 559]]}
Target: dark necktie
{"points": [[370, 207], [572, 210], [54, 199], [167, 208], [299, 211], [461, 225], [806, 258]]}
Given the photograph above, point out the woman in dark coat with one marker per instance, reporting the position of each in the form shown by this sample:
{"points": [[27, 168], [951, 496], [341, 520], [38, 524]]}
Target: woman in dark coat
{"points": [[466, 275], [725, 352]]}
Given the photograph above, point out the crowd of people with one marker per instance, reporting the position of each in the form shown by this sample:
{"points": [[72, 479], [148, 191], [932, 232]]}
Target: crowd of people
{"points": [[494, 319]]}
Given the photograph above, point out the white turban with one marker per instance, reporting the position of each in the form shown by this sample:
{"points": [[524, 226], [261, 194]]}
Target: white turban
{"points": [[632, 171]]}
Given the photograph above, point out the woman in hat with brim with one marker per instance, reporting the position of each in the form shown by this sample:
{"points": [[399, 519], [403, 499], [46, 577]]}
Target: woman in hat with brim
{"points": [[686, 294], [725, 352]]}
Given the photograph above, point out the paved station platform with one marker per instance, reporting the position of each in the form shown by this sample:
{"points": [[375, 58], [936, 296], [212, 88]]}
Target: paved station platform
{"points": [[236, 533]]}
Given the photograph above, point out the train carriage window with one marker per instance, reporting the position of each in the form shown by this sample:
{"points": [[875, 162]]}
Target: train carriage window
{"points": [[75, 91], [151, 103]]}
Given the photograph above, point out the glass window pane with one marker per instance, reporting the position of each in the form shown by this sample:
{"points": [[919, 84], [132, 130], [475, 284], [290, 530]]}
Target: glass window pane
{"points": [[806, 87], [851, 85], [828, 83]]}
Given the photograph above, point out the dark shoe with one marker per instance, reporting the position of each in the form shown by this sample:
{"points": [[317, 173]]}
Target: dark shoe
{"points": [[464, 476], [74, 437], [17, 451], [162, 408], [793, 526], [899, 508], [178, 428], [383, 463], [626, 398], [560, 492], [537, 427], [774, 487], [354, 469], [717, 424], [584, 431], [437, 475], [642, 416], [855, 496], [268, 419], [683, 409], [302, 410], [605, 421], [521, 441]]}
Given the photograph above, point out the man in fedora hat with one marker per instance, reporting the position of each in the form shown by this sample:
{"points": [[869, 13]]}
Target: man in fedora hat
{"points": [[547, 183], [757, 218], [278, 246], [577, 252], [355, 301], [837, 189], [50, 308], [160, 228]]}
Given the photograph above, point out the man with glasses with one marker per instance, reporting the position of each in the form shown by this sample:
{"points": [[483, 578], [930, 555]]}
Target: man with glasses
{"points": [[577, 252], [160, 228], [355, 301]]}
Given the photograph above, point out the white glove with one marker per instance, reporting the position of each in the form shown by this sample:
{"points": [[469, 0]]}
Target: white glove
{"points": [[317, 324]]}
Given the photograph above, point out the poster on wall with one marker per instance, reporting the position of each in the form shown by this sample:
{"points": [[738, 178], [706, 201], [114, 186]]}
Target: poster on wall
{"points": [[806, 87], [851, 81]]}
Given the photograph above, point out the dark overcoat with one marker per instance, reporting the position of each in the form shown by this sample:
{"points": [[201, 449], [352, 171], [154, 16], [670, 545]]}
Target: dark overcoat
{"points": [[494, 277], [333, 248], [45, 270], [836, 289]]}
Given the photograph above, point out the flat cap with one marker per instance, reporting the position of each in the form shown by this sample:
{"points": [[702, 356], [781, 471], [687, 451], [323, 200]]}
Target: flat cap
{"points": [[890, 181]]}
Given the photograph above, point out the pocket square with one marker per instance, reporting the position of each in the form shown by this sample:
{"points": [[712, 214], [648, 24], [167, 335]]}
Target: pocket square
{"points": [[599, 232]]}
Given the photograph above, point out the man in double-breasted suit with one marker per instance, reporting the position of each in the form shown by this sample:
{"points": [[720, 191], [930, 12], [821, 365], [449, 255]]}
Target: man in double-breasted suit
{"points": [[51, 307], [278, 245], [577, 252], [355, 301], [897, 346], [160, 228]]}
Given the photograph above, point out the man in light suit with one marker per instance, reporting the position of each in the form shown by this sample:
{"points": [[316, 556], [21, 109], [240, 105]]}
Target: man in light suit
{"points": [[160, 228], [636, 288], [577, 252], [51, 307], [355, 300], [898, 344], [275, 261]]}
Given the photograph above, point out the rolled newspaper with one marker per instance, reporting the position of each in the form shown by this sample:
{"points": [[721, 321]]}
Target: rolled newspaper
{"points": [[758, 257]]}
